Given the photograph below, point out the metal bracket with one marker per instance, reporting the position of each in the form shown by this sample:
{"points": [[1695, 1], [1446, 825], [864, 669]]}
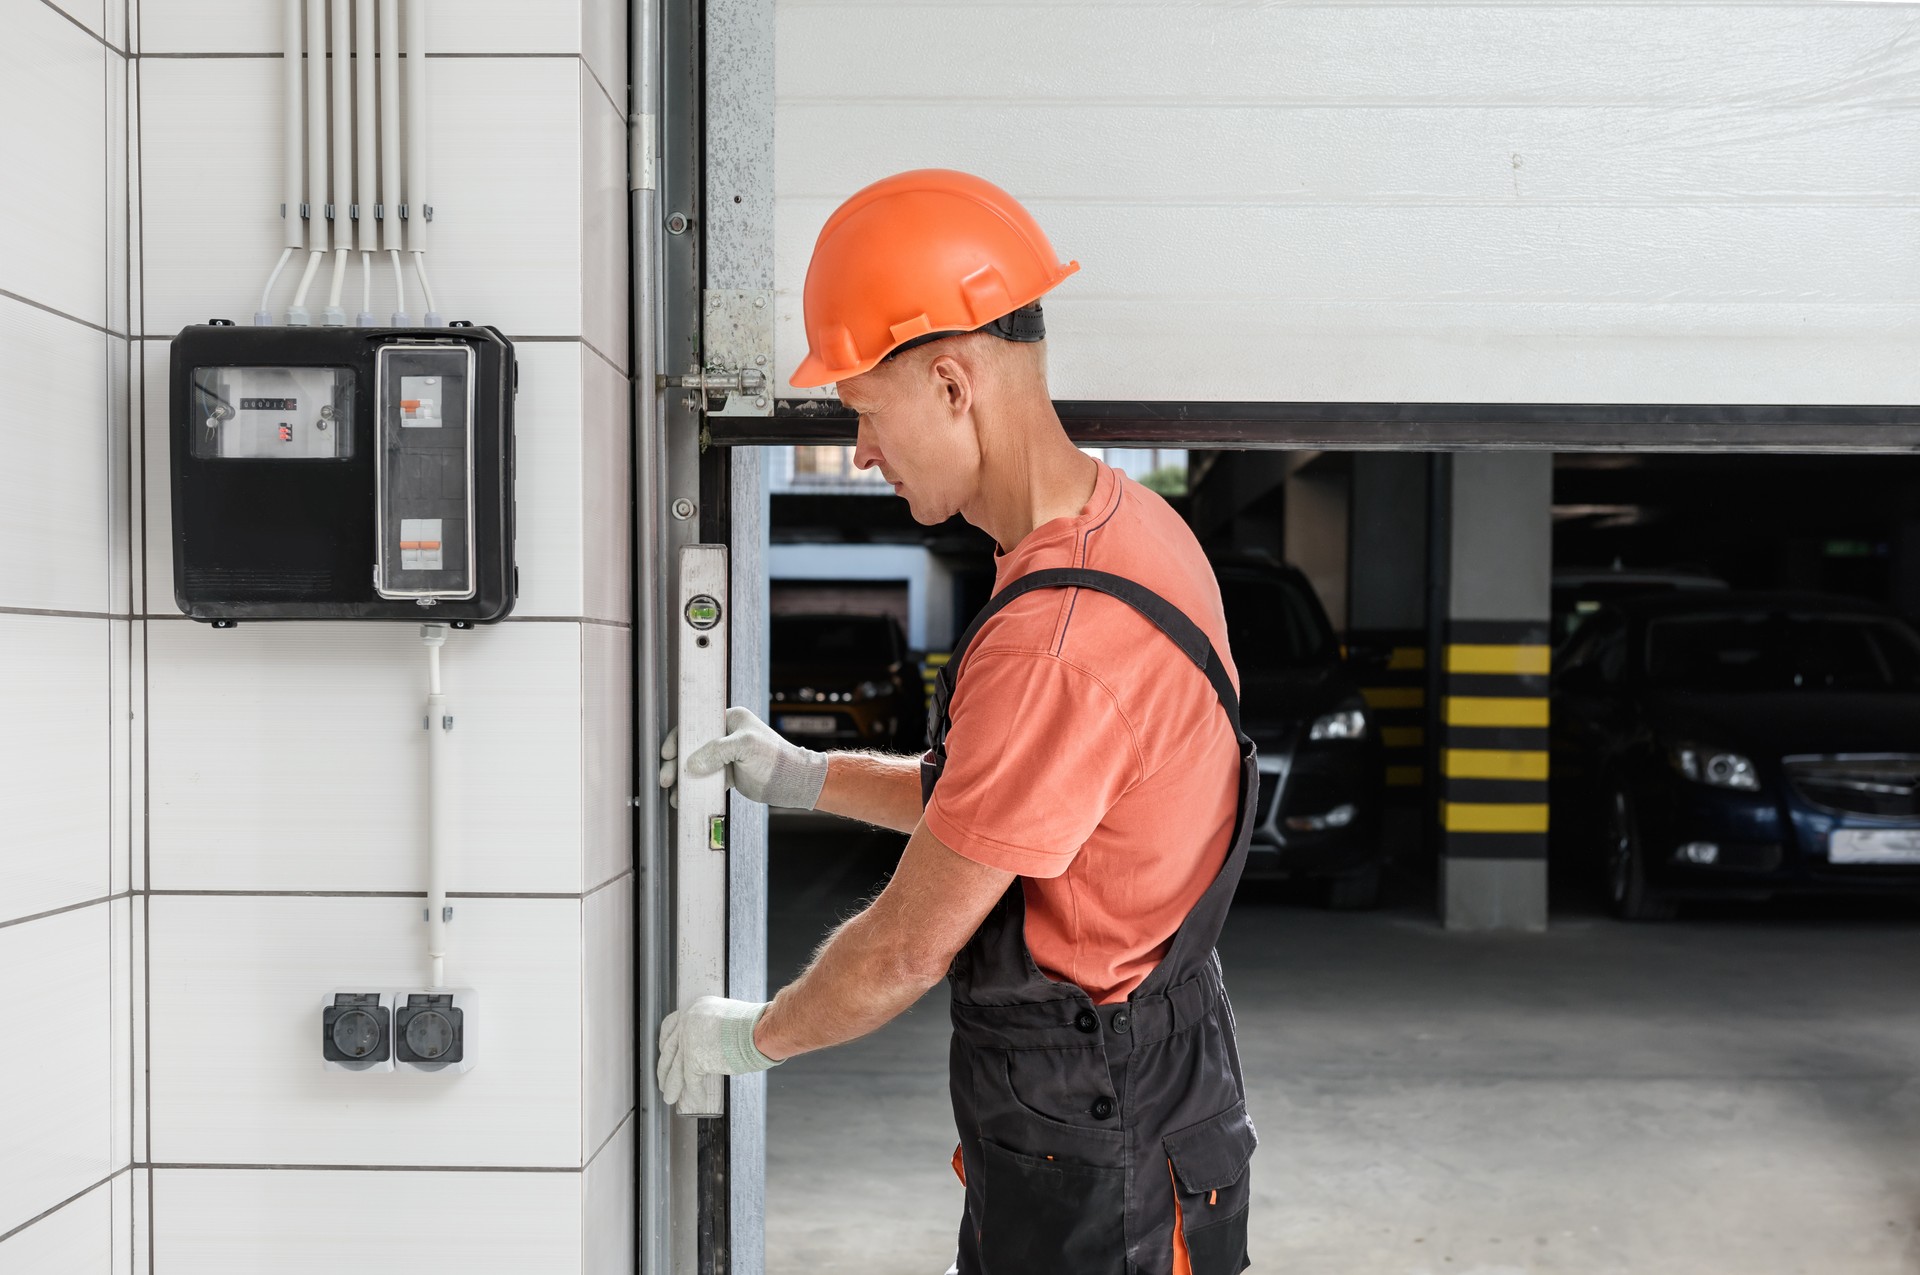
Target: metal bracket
{"points": [[737, 335]]}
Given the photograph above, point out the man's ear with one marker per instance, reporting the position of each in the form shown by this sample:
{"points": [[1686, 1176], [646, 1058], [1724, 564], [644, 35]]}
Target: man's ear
{"points": [[954, 382]]}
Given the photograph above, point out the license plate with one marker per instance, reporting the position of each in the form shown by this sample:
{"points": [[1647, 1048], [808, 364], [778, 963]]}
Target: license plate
{"points": [[1874, 845], [806, 724]]}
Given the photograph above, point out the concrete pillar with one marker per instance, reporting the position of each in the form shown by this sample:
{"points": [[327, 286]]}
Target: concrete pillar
{"points": [[1493, 811], [1387, 607]]}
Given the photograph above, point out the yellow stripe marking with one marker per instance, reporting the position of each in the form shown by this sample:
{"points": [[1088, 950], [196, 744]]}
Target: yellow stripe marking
{"points": [[1496, 763], [1407, 657], [1496, 710], [1405, 776], [1393, 696], [1499, 659], [1479, 816], [1403, 736]]}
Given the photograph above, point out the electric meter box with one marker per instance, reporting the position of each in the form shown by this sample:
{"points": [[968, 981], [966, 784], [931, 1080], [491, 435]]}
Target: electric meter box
{"points": [[343, 473]]}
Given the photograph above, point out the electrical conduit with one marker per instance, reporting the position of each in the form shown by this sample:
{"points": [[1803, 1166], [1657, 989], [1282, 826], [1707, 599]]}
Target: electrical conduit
{"points": [[390, 194], [439, 725], [416, 176], [365, 154], [342, 183], [295, 237], [316, 157]]}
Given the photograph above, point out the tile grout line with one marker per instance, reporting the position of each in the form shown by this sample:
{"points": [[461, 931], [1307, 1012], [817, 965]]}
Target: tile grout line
{"points": [[620, 1124], [62, 314], [79, 1195], [66, 908], [137, 250]]}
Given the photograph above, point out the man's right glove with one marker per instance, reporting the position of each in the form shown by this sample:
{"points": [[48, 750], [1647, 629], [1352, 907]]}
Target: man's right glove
{"points": [[763, 766]]}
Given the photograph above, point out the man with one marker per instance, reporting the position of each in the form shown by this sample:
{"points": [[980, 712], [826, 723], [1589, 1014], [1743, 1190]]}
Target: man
{"points": [[1083, 811]]}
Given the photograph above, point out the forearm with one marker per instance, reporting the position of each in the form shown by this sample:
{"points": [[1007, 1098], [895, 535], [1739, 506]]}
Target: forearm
{"points": [[857, 983], [875, 788]]}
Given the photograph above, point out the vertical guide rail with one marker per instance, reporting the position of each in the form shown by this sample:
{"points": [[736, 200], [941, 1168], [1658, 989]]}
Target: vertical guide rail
{"points": [[653, 946]]}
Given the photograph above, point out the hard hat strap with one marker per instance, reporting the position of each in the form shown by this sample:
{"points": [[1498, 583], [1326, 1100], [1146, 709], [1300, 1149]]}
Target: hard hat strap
{"points": [[1025, 325]]}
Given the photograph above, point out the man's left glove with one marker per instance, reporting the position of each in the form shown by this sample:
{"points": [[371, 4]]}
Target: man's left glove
{"points": [[711, 1037]]}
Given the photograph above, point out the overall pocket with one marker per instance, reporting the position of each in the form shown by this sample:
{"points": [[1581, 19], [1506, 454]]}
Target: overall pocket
{"points": [[1054, 1216], [1207, 1163]]}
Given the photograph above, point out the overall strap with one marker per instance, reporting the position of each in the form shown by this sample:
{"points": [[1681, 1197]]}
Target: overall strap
{"points": [[1166, 617]]}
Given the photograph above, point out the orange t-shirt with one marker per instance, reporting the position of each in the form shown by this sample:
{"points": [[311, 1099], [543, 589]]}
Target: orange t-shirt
{"points": [[1086, 753]]}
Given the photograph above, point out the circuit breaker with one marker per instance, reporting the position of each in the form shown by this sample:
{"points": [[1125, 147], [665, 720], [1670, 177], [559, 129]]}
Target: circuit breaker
{"points": [[343, 473]]}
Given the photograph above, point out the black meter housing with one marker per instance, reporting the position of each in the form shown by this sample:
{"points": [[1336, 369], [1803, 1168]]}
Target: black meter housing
{"points": [[343, 473]]}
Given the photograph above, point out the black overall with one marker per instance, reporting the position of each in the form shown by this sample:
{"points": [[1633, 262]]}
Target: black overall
{"points": [[1090, 1134]]}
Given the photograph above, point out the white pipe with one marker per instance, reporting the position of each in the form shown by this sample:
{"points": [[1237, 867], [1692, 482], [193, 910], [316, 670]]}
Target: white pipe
{"points": [[340, 207], [390, 193], [439, 793], [316, 126], [291, 124], [316, 157], [418, 192], [366, 153], [293, 233]]}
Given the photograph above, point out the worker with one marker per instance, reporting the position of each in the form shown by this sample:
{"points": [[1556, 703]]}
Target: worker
{"points": [[1082, 813]]}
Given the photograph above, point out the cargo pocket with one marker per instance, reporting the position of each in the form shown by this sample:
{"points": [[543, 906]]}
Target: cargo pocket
{"points": [[1212, 1188], [1050, 1215]]}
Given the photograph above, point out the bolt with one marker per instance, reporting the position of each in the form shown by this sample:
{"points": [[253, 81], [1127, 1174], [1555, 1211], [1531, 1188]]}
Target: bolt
{"points": [[713, 302], [759, 360], [677, 224], [759, 303], [683, 509], [760, 402]]}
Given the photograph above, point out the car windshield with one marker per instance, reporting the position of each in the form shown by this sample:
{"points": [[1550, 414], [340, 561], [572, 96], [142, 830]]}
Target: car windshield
{"points": [[832, 639], [1272, 625], [1782, 651]]}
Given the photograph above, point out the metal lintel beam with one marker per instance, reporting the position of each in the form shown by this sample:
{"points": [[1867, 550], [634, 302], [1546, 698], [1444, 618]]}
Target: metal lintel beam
{"points": [[1574, 427]]}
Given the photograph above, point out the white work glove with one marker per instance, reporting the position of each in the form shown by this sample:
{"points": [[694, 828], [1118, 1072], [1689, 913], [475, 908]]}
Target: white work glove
{"points": [[711, 1037], [761, 765]]}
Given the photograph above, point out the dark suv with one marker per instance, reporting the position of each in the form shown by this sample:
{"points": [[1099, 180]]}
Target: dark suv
{"points": [[845, 681], [1321, 780]]}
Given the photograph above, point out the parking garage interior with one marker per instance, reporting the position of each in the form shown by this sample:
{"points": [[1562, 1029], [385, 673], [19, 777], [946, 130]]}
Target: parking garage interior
{"points": [[1479, 1060]]}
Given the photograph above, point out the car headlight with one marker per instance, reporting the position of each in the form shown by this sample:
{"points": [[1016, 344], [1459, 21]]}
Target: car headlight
{"points": [[873, 690], [1713, 766], [1347, 723]]}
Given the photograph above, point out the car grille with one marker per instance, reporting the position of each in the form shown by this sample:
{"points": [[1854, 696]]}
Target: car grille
{"points": [[1888, 786]]}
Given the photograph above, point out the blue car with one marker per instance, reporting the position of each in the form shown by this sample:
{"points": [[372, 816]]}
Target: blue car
{"points": [[1739, 745]]}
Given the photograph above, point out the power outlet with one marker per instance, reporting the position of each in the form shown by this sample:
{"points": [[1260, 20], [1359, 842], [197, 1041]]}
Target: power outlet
{"points": [[433, 1030], [356, 1031]]}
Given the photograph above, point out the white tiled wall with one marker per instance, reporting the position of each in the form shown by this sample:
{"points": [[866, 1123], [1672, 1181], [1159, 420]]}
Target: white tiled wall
{"points": [[206, 831], [1428, 201]]}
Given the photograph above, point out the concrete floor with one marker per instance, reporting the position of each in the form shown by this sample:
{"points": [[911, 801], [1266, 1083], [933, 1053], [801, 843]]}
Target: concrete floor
{"points": [[1735, 1093]]}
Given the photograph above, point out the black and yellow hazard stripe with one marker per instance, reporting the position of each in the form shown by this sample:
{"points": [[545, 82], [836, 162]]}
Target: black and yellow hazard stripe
{"points": [[1494, 755], [1396, 698], [930, 666]]}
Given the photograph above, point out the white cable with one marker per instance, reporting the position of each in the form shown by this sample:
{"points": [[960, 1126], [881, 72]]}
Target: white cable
{"points": [[400, 317], [260, 317], [366, 191], [365, 319], [317, 230], [335, 315], [291, 124], [426, 289], [297, 316]]}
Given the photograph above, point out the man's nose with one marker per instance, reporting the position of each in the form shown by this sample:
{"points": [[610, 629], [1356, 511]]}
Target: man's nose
{"points": [[865, 454]]}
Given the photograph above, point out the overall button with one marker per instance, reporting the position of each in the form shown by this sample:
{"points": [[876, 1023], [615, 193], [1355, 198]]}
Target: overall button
{"points": [[1102, 1107], [1121, 1020], [1087, 1021]]}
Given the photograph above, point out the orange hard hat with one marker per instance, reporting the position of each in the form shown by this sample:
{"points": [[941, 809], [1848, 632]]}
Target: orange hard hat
{"points": [[920, 255]]}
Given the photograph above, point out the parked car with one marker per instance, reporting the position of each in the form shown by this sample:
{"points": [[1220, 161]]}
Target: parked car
{"points": [[1321, 782], [1740, 744], [1580, 591], [845, 681]]}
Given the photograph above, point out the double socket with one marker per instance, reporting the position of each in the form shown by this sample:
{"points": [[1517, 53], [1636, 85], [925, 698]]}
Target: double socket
{"points": [[428, 1030]]}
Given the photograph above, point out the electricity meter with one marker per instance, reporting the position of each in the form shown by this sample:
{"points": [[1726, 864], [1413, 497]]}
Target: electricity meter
{"points": [[343, 473]]}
